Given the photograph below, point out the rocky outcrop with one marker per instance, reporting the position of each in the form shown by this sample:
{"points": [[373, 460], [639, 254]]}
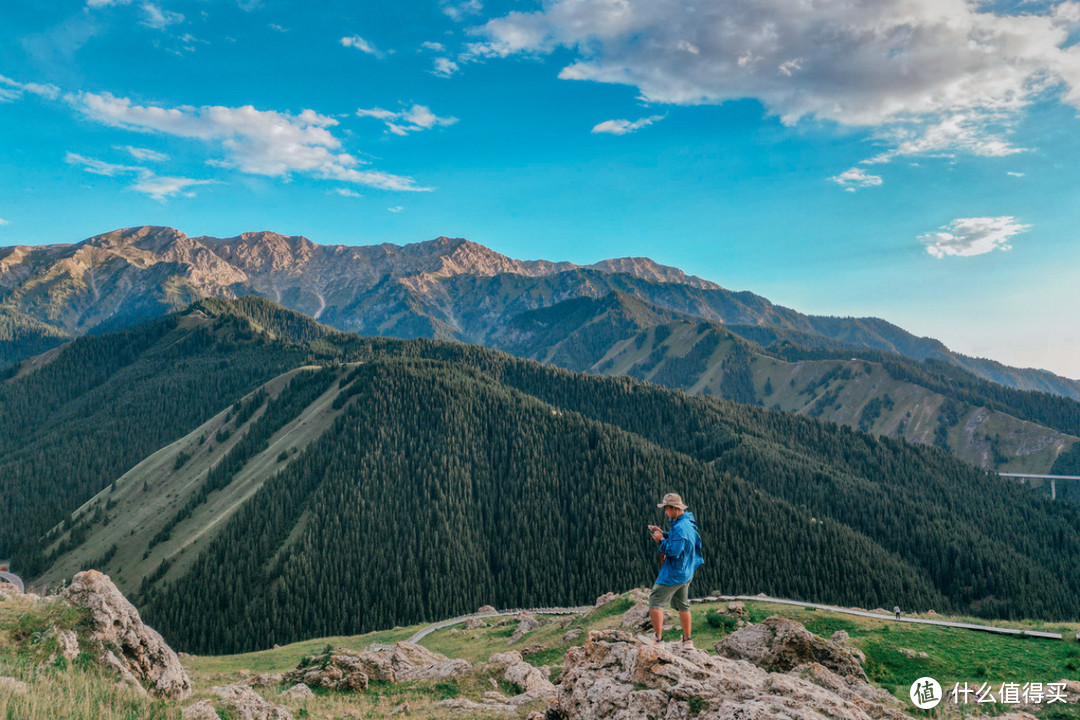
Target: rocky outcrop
{"points": [[349, 670], [137, 652], [242, 703], [299, 691], [616, 676], [781, 644]]}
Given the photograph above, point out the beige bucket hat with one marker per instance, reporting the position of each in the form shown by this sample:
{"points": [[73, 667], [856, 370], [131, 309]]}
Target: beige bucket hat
{"points": [[672, 500]]}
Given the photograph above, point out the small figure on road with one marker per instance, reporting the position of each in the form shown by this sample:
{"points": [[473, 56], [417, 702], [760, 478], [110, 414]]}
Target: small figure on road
{"points": [[896, 611], [680, 556]]}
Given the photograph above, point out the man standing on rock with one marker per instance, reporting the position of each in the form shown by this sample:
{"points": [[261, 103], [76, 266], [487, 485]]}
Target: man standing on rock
{"points": [[680, 556]]}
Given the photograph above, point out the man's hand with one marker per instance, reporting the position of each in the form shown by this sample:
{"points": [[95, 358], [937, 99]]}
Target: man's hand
{"points": [[656, 533]]}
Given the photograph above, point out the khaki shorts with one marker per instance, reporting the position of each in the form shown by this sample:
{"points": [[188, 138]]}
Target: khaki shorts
{"points": [[677, 595]]}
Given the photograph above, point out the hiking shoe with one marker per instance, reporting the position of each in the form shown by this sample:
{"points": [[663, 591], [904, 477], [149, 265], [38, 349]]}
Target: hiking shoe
{"points": [[651, 640], [688, 642]]}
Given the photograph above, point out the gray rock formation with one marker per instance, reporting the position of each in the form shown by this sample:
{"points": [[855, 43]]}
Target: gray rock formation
{"points": [[344, 669], [141, 656], [243, 703], [616, 677], [781, 644]]}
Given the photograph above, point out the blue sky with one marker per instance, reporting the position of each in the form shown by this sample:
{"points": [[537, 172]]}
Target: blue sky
{"points": [[910, 159]]}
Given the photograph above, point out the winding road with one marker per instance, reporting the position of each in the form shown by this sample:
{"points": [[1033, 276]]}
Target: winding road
{"points": [[420, 635]]}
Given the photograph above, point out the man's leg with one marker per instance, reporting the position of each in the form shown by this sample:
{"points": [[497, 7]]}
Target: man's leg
{"points": [[657, 617], [658, 598], [681, 602]]}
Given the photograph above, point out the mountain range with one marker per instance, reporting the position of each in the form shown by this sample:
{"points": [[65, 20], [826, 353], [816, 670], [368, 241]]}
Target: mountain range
{"points": [[251, 476], [619, 316]]}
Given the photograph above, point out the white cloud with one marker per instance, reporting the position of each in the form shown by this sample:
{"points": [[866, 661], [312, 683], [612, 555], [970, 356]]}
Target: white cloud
{"points": [[155, 17], [142, 153], [433, 46], [11, 90], [414, 119], [3, 222], [396, 209], [855, 178], [259, 142], [624, 127], [444, 67], [456, 11], [938, 76], [346, 192], [355, 41], [965, 237], [278, 28], [146, 181], [1015, 174], [105, 3]]}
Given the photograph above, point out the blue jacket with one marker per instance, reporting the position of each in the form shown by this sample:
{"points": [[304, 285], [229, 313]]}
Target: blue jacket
{"points": [[681, 548]]}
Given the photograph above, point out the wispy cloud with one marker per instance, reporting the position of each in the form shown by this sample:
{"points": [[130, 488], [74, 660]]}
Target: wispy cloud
{"points": [[146, 181], [346, 192], [157, 18], [965, 237], [856, 178], [395, 209], [414, 119], [11, 90], [142, 153], [3, 222], [458, 10], [433, 46], [444, 67], [259, 142], [624, 127], [355, 41], [1014, 174]]}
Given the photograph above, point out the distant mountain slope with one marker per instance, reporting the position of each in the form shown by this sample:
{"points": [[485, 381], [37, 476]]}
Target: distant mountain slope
{"points": [[447, 288], [981, 422], [411, 480]]}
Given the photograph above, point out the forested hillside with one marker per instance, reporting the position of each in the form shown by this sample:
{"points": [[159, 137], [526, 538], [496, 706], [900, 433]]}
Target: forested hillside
{"points": [[414, 480]]}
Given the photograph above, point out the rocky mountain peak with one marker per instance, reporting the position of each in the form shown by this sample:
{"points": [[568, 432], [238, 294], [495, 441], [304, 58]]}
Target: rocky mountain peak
{"points": [[263, 251]]}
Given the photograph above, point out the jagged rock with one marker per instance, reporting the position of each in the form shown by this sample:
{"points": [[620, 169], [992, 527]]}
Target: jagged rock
{"points": [[615, 676], [636, 617], [10, 685], [202, 710], [246, 704], [505, 659], [299, 691], [532, 681], [781, 644], [605, 599], [337, 670], [264, 680], [485, 609], [572, 635], [400, 709], [115, 621], [736, 608], [344, 669], [840, 637], [526, 622], [924, 655], [529, 650], [474, 624], [907, 652]]}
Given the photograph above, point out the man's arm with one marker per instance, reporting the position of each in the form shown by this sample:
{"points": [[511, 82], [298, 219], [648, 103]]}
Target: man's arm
{"points": [[673, 545]]}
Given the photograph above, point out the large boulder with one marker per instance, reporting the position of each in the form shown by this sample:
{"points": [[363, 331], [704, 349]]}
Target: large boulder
{"points": [[140, 652], [342, 669], [613, 675], [243, 703], [781, 644]]}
